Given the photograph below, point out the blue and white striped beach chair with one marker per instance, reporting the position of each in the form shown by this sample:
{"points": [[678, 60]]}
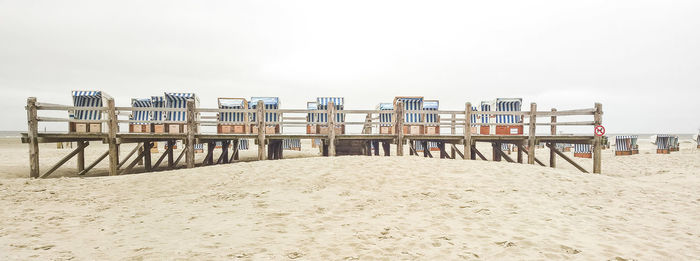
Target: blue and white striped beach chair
{"points": [[87, 120], [141, 118], [485, 118], [582, 150], [231, 122], [291, 144], [271, 118], [623, 145], [312, 118], [386, 120], [413, 120], [432, 119], [509, 104], [157, 117], [339, 103], [663, 143], [178, 119]]}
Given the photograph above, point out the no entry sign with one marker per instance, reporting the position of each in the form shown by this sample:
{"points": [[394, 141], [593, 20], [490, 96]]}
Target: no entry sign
{"points": [[599, 130]]}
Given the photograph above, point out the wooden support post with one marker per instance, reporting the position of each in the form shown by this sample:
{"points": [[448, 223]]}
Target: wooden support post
{"points": [[504, 155], [531, 139], [331, 129], [398, 111], [137, 148], [81, 156], [387, 148], [496, 148], [209, 159], [376, 147], [171, 158], [224, 152], [453, 131], [97, 161], [235, 150], [147, 155], [112, 128], [33, 133], [189, 143], [528, 156], [179, 157], [64, 160], [597, 157], [519, 145], [133, 163], [426, 151], [167, 152], [260, 116], [572, 162], [477, 152], [552, 154], [468, 130]]}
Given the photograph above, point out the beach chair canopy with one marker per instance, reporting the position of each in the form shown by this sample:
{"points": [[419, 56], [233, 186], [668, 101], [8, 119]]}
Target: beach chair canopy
{"points": [[508, 104], [582, 148], [663, 141], [142, 116], [487, 106], [270, 103], [87, 99], [431, 105], [623, 143], [475, 117], [385, 118], [339, 104], [178, 100], [312, 116], [232, 103], [411, 104], [158, 102]]}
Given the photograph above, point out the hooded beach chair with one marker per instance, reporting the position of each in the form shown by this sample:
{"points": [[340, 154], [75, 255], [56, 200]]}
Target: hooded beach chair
{"points": [[623, 145], [413, 120], [178, 119], [663, 142], [157, 117], [697, 140], [312, 118], [339, 103], [386, 120], [582, 151], [509, 104], [486, 118], [674, 145], [291, 144], [141, 118], [231, 122], [432, 119], [272, 119], [86, 120]]}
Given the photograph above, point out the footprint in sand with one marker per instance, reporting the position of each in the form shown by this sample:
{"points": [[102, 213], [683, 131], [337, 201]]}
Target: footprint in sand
{"points": [[570, 250]]}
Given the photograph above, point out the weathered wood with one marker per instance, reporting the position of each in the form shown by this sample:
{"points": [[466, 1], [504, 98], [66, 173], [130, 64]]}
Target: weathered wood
{"points": [[475, 150], [167, 153], [468, 130], [495, 149], [32, 133], [505, 156], [126, 159], [234, 151], [453, 131], [81, 157], [189, 143], [552, 154], [387, 148], [179, 157], [260, 116], [133, 163], [94, 163], [64, 160], [112, 128], [520, 147], [171, 158], [147, 155], [399, 127], [572, 162], [412, 149], [520, 152], [331, 129], [532, 134], [597, 157]]}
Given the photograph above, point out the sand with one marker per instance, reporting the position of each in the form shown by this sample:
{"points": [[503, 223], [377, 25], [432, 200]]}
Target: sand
{"points": [[643, 207]]}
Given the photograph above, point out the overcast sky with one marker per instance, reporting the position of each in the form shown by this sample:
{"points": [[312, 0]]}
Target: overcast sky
{"points": [[641, 59]]}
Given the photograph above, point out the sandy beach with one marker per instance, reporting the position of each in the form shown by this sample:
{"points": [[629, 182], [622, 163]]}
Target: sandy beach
{"points": [[643, 207]]}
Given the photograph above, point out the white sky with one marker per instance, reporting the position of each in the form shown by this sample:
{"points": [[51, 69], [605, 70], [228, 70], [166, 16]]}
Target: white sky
{"points": [[641, 59]]}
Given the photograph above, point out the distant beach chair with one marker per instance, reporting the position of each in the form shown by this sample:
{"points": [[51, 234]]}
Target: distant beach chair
{"points": [[142, 116], [231, 122], [87, 116], [339, 103], [674, 144], [485, 118], [509, 104], [291, 144], [157, 117], [432, 119], [178, 101], [386, 119], [623, 145], [697, 140], [312, 117], [412, 118], [582, 151], [272, 119], [663, 142]]}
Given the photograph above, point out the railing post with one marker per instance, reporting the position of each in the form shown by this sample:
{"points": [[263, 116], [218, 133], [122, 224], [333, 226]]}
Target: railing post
{"points": [[81, 156], [398, 111], [532, 133], [552, 155], [453, 131], [260, 115], [189, 145], [33, 133], [468, 131], [598, 120], [331, 129], [112, 128]]}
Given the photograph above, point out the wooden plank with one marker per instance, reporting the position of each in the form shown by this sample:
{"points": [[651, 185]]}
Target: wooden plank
{"points": [[189, 144], [64, 160], [112, 128], [520, 152], [468, 131], [479, 153], [553, 129], [412, 149], [261, 130], [81, 157], [520, 147], [567, 158], [147, 155], [495, 148], [168, 153], [126, 159], [94, 163], [32, 133], [398, 115], [331, 129], [597, 157], [505, 156], [133, 163], [171, 158], [454, 147], [532, 132], [178, 159]]}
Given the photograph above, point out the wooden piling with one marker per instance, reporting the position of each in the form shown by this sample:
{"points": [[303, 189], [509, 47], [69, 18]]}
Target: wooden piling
{"points": [[531, 139], [453, 131], [260, 115], [189, 144], [331, 129], [552, 154], [468, 131], [81, 156], [112, 128], [398, 110], [598, 120], [32, 134]]}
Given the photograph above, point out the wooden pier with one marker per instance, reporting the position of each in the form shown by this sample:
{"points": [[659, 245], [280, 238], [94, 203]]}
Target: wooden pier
{"points": [[269, 145]]}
